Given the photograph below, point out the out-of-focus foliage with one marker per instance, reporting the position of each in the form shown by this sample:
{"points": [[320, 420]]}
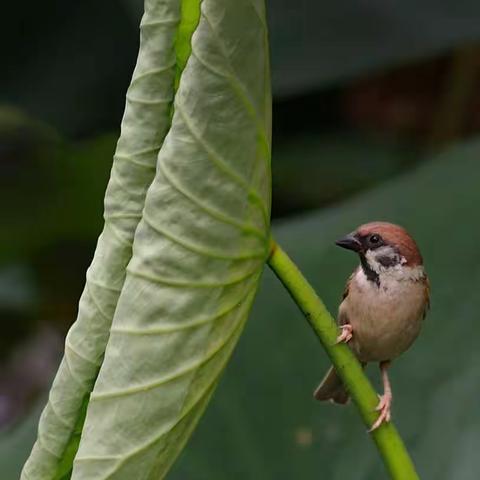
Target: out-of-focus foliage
{"points": [[15, 444], [316, 43], [313, 170], [50, 191], [80, 80], [68, 63], [263, 421], [18, 299]]}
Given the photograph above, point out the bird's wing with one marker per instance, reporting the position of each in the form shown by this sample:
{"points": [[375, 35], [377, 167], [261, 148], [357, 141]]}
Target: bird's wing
{"points": [[347, 285], [427, 296], [342, 317]]}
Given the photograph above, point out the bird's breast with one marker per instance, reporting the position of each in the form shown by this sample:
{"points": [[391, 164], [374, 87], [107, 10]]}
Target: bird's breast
{"points": [[385, 317]]}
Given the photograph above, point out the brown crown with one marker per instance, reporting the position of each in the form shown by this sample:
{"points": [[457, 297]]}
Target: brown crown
{"points": [[396, 236]]}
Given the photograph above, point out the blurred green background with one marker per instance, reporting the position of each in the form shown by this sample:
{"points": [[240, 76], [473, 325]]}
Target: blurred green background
{"points": [[376, 110]]}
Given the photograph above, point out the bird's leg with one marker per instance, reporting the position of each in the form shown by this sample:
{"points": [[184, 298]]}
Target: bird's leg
{"points": [[346, 334], [385, 404]]}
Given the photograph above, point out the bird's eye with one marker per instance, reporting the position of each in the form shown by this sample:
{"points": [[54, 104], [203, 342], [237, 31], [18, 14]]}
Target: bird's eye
{"points": [[374, 239]]}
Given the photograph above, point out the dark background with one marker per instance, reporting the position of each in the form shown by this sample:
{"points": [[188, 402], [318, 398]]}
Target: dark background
{"points": [[376, 114]]}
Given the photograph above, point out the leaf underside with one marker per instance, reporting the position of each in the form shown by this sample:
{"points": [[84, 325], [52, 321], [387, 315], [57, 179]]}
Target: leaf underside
{"points": [[180, 296], [144, 126], [198, 254]]}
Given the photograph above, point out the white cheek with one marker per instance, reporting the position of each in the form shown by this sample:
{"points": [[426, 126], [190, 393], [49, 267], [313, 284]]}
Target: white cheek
{"points": [[399, 272], [386, 251]]}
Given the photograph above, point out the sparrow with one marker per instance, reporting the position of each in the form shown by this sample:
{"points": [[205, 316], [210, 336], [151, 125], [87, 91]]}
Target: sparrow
{"points": [[384, 303]]}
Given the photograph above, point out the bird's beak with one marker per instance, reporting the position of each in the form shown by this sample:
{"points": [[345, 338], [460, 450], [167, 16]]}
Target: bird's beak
{"points": [[350, 242]]}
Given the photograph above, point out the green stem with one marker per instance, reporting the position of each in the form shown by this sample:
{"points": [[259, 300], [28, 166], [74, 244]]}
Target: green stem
{"points": [[387, 439]]}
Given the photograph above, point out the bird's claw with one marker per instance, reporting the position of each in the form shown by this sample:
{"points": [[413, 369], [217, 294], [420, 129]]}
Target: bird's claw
{"points": [[346, 334], [384, 407]]}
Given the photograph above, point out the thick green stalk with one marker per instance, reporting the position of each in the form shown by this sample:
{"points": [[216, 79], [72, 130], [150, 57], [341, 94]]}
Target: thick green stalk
{"points": [[387, 439]]}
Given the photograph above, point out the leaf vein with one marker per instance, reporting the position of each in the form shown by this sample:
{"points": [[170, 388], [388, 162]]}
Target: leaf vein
{"points": [[152, 72], [143, 151], [122, 216], [115, 177], [167, 378], [197, 249], [209, 210], [60, 418], [186, 284], [70, 348], [163, 21], [237, 88], [222, 164], [146, 101], [96, 302], [101, 285], [156, 438], [184, 326], [260, 15], [74, 375], [113, 229], [128, 158], [44, 447]]}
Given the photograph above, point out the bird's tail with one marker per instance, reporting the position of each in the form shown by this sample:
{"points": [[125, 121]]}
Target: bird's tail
{"points": [[331, 388]]}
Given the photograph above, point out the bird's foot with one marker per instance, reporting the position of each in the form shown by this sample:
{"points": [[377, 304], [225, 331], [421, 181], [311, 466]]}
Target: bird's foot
{"points": [[346, 334], [384, 407]]}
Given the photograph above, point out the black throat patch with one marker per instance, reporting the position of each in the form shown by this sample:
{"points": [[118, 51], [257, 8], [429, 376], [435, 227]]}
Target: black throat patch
{"points": [[371, 274]]}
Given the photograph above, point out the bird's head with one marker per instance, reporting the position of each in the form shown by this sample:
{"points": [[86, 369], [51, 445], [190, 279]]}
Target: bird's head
{"points": [[383, 247]]}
